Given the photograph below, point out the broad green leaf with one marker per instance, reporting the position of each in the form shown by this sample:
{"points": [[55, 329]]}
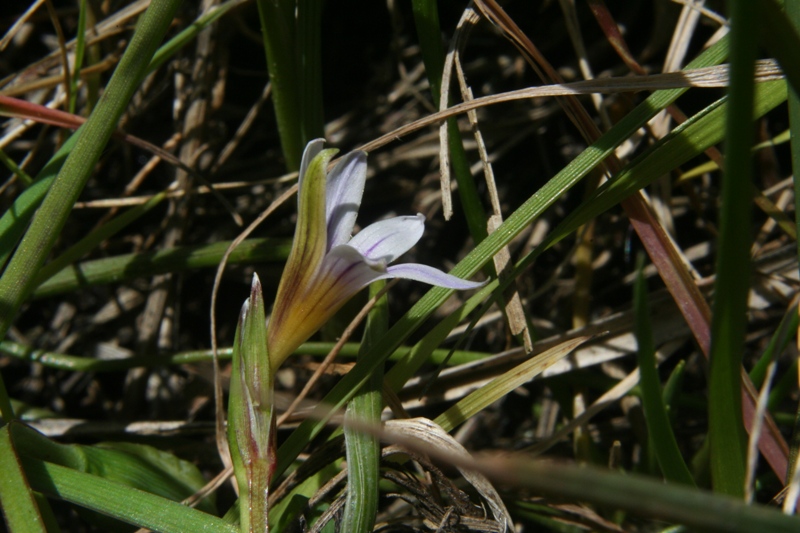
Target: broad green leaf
{"points": [[119, 501], [149, 469], [134, 465]]}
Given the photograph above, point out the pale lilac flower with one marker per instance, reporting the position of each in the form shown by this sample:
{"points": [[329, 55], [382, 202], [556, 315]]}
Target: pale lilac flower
{"points": [[327, 266]]}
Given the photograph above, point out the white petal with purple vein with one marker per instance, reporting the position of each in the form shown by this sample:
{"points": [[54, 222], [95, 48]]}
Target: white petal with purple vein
{"points": [[389, 239], [430, 275], [349, 270]]}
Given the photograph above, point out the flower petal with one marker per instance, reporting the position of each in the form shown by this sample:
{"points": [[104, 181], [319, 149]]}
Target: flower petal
{"points": [[431, 276], [312, 149], [389, 239], [343, 194], [342, 274], [308, 249]]}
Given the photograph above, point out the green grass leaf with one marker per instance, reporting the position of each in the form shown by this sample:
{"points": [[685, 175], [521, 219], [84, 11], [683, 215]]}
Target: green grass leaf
{"points": [[662, 440], [17, 500], [729, 322], [363, 449]]}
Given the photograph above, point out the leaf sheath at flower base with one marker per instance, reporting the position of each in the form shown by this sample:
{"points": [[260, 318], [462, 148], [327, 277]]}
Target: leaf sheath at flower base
{"points": [[251, 420]]}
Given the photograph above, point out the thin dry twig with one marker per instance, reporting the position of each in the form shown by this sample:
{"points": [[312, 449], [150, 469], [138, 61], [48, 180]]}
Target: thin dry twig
{"points": [[708, 77]]}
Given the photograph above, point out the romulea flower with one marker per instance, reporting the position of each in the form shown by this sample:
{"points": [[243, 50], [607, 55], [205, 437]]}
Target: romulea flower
{"points": [[327, 266]]}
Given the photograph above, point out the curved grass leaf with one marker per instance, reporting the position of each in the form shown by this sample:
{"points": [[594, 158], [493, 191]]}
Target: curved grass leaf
{"points": [[700, 510], [140, 508], [135, 465], [661, 438]]}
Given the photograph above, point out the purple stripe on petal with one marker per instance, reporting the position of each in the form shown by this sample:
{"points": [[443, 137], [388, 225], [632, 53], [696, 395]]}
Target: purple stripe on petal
{"points": [[431, 276], [387, 240], [349, 271]]}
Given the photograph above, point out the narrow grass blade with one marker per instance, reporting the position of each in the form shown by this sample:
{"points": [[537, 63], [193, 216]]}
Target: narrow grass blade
{"points": [[16, 283], [421, 353], [662, 439], [672, 390], [779, 35], [96, 237], [291, 40], [309, 65], [673, 503], [502, 385], [363, 450], [171, 47], [793, 16], [285, 512], [15, 169], [786, 331], [17, 500], [16, 218], [79, 363], [685, 142], [729, 322], [130, 266]]}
